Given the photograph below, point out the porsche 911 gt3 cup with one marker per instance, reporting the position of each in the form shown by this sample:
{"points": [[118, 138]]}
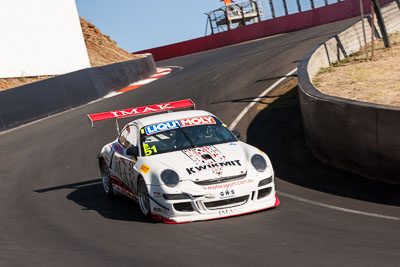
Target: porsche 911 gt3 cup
{"points": [[184, 166]]}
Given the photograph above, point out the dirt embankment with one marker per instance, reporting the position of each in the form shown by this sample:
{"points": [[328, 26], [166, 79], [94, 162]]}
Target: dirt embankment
{"points": [[101, 50], [376, 81]]}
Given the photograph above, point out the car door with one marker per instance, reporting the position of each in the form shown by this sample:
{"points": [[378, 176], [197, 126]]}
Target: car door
{"points": [[124, 164]]}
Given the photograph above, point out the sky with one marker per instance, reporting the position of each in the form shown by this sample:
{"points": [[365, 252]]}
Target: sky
{"points": [[138, 25]]}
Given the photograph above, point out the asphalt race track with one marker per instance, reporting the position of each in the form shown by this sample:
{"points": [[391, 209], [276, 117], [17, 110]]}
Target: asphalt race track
{"points": [[53, 211]]}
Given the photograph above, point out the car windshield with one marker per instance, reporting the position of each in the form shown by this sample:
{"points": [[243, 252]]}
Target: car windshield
{"points": [[183, 134]]}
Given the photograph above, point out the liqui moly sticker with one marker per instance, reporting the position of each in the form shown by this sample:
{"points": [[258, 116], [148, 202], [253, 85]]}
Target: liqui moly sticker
{"points": [[162, 127], [178, 123], [197, 121]]}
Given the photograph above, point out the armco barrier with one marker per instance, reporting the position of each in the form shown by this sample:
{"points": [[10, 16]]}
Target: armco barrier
{"points": [[323, 15], [40, 99], [356, 136]]}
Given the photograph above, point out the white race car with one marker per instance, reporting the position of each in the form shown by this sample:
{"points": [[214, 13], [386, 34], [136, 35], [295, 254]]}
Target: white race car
{"points": [[185, 166]]}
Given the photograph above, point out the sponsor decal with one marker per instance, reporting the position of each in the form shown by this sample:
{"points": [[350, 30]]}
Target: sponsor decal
{"points": [[155, 128], [162, 127], [141, 110], [145, 169], [228, 185], [213, 165], [197, 121], [227, 212], [206, 155], [227, 192], [125, 172]]}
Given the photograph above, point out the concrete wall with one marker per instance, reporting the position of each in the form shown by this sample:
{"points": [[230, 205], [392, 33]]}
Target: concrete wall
{"points": [[356, 136], [40, 99], [298, 21], [40, 37]]}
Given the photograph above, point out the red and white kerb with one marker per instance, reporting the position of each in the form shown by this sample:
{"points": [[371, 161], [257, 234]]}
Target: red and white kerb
{"points": [[161, 72]]}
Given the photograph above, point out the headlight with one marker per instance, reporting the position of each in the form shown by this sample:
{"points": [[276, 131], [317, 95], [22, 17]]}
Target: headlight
{"points": [[259, 162], [170, 178]]}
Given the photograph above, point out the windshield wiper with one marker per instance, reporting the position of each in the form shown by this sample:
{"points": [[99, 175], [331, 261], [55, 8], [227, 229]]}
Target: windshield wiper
{"points": [[192, 144]]}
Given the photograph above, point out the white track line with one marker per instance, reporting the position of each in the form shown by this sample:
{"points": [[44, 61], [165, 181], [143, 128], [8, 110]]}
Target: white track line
{"points": [[255, 100], [338, 208]]}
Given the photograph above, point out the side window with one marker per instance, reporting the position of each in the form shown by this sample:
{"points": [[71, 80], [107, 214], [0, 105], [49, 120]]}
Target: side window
{"points": [[128, 136], [123, 137], [132, 136]]}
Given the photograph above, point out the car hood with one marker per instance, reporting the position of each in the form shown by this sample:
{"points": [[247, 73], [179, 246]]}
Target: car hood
{"points": [[208, 162]]}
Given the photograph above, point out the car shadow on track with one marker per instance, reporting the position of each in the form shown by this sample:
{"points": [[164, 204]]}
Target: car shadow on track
{"points": [[278, 130], [90, 195]]}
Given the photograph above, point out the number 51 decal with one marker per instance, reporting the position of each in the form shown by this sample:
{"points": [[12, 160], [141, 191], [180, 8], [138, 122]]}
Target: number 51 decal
{"points": [[149, 150]]}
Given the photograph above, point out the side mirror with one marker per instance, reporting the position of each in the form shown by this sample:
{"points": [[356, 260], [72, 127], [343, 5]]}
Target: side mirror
{"points": [[132, 151], [236, 133]]}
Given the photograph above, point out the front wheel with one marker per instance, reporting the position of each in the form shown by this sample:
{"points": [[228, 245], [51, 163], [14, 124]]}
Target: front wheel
{"points": [[106, 179], [144, 200]]}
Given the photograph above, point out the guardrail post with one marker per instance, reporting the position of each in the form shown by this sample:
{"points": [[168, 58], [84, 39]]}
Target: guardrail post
{"points": [[298, 5], [363, 29], [285, 7], [271, 5], [257, 10], [381, 23]]}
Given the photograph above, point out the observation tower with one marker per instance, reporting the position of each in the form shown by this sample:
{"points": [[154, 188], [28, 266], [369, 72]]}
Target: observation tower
{"points": [[234, 14]]}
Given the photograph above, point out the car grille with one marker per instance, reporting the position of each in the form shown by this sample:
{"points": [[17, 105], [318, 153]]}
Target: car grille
{"points": [[183, 206], [226, 203], [221, 180]]}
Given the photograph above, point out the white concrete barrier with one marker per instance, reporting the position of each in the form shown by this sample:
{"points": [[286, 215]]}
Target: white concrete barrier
{"points": [[40, 37], [352, 135]]}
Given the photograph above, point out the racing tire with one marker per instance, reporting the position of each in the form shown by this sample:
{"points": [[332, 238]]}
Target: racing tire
{"points": [[106, 180], [143, 198]]}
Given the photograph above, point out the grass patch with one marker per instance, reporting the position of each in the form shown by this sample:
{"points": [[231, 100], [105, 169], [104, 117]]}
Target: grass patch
{"points": [[364, 80], [325, 70]]}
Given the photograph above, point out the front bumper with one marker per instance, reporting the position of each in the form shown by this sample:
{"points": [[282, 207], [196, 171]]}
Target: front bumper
{"points": [[204, 208]]}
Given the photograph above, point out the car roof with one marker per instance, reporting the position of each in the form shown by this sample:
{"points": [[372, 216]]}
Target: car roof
{"points": [[170, 116]]}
